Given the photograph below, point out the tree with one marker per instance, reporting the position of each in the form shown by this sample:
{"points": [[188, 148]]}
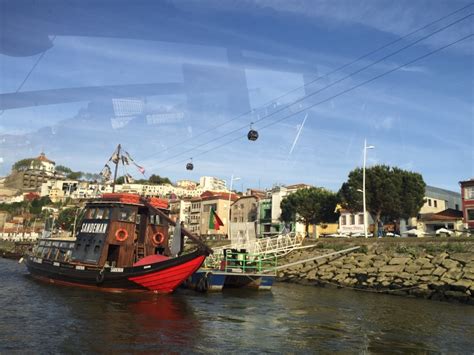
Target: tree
{"points": [[413, 192], [75, 175], [63, 169], [158, 180], [37, 204], [309, 206], [24, 164], [391, 193], [153, 180], [91, 176], [67, 217]]}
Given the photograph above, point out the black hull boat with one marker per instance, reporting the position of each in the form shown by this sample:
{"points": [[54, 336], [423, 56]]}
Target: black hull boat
{"points": [[122, 244]]}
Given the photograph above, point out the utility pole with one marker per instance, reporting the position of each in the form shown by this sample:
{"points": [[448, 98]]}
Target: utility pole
{"points": [[232, 179], [363, 185]]}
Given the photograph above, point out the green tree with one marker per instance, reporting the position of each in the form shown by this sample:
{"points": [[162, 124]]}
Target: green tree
{"points": [[412, 191], [391, 193], [309, 206], [24, 164], [63, 169], [158, 180], [75, 175], [37, 204], [67, 217]]}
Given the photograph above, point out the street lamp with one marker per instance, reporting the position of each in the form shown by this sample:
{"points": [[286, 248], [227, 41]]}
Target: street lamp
{"points": [[232, 179], [363, 185]]}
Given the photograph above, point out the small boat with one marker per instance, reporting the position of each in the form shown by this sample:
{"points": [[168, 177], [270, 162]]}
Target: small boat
{"points": [[122, 244], [238, 269], [19, 250]]}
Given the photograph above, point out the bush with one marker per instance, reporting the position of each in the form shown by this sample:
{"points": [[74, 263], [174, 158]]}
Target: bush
{"points": [[446, 247]]}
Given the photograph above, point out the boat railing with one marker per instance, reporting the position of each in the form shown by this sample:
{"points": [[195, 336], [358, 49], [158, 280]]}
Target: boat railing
{"points": [[270, 247], [248, 263]]}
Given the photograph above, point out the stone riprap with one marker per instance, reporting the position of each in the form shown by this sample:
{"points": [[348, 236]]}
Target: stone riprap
{"points": [[434, 269]]}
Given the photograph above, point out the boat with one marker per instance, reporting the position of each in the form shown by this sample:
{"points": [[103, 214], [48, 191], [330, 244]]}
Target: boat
{"points": [[237, 269], [122, 244], [19, 250]]}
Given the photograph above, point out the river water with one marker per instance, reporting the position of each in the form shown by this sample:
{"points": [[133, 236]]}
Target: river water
{"points": [[40, 318]]}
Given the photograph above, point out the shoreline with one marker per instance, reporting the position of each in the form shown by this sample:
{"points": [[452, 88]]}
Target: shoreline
{"points": [[436, 268]]}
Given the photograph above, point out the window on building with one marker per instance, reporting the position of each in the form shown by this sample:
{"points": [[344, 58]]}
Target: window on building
{"points": [[126, 214], [435, 203], [429, 202], [470, 214], [352, 219], [155, 219], [469, 192], [267, 214], [207, 208], [361, 219], [343, 220]]}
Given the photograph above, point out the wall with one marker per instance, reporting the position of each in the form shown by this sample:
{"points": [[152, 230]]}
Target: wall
{"points": [[437, 269]]}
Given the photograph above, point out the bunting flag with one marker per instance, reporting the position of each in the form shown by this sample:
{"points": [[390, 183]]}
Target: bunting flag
{"points": [[214, 221], [129, 179], [106, 172], [115, 158], [141, 169], [125, 160]]}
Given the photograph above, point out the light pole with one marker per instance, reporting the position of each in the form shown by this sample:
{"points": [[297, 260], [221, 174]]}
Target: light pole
{"points": [[363, 185], [232, 179]]}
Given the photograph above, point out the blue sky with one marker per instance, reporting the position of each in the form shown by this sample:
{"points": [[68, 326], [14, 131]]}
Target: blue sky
{"points": [[110, 72]]}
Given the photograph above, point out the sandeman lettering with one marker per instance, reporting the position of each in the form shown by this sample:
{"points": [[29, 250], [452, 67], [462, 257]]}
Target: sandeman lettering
{"points": [[94, 228]]}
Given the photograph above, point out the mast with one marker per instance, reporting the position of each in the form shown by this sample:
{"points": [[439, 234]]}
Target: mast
{"points": [[116, 168]]}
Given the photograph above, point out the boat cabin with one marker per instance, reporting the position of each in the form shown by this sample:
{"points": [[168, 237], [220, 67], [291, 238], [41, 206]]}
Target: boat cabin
{"points": [[116, 231]]}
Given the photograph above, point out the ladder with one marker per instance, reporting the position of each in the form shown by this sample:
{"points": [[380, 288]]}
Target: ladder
{"points": [[139, 251]]}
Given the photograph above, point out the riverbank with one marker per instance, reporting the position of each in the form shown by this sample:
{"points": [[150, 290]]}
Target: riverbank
{"points": [[434, 268]]}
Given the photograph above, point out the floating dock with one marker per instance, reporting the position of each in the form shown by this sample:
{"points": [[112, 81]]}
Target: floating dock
{"points": [[237, 269], [205, 280]]}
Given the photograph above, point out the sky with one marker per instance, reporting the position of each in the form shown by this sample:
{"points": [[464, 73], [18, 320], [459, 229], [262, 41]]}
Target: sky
{"points": [[178, 80]]}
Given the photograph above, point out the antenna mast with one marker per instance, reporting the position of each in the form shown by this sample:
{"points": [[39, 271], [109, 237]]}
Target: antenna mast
{"points": [[116, 167]]}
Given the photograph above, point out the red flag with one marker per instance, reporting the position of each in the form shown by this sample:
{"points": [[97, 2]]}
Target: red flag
{"points": [[214, 221]]}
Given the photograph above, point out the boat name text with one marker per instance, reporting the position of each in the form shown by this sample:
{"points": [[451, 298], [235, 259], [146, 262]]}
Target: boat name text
{"points": [[94, 228]]}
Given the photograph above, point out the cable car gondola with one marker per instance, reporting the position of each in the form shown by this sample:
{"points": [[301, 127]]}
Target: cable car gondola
{"points": [[253, 134], [190, 165]]}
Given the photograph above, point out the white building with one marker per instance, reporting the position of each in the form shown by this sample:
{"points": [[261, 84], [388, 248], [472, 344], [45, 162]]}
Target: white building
{"points": [[181, 210], [437, 200], [278, 194], [43, 164], [209, 183], [61, 189], [186, 184], [353, 223]]}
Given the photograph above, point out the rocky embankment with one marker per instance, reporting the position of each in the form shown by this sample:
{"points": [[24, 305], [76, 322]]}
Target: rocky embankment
{"points": [[434, 269]]}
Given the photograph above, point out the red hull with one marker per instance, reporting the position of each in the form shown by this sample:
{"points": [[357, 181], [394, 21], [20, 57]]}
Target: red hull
{"points": [[167, 280]]}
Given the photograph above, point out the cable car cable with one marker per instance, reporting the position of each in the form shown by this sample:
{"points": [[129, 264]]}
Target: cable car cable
{"points": [[324, 88], [321, 77], [337, 95]]}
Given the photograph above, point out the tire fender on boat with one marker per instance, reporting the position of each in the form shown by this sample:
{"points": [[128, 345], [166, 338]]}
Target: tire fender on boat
{"points": [[100, 277], [158, 238], [203, 284], [121, 235]]}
